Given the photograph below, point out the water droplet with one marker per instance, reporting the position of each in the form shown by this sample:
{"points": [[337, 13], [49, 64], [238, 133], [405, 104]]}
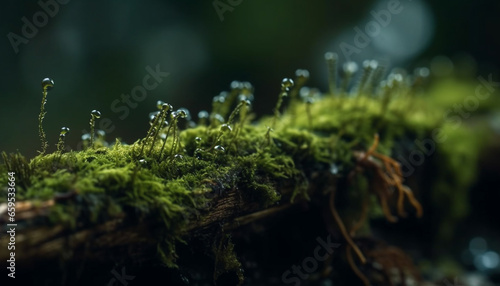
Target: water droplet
{"points": [[159, 104], [219, 99], [219, 118], [96, 113], [178, 157], [242, 97], [219, 149], [247, 86], [394, 79], [302, 74], [226, 128], [329, 56], [184, 113], [422, 72], [86, 137], [350, 68], [236, 85], [47, 84], [166, 107], [334, 169], [101, 133], [370, 64], [197, 153], [143, 161], [152, 118], [64, 130], [286, 83], [304, 92], [198, 140], [203, 114], [489, 260]]}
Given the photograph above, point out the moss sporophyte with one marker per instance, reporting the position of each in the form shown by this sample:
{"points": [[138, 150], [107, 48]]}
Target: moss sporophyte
{"points": [[177, 174]]}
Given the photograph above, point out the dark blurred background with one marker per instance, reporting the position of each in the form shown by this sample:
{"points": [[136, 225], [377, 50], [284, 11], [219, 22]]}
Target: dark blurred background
{"points": [[95, 51]]}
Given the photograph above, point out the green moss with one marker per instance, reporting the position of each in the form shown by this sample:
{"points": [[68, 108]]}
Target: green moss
{"points": [[226, 260], [172, 187]]}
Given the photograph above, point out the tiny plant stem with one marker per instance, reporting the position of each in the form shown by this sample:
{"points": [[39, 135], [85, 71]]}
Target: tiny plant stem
{"points": [[43, 137], [174, 122], [176, 138], [235, 111], [92, 131], [93, 116], [156, 130], [277, 108], [217, 139], [308, 111], [148, 134], [331, 61], [243, 116]]}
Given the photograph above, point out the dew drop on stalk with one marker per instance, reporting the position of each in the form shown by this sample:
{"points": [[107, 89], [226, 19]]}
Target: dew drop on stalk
{"points": [[247, 87], [96, 113], [226, 128], [219, 99], [243, 98], [86, 137], [302, 74], [184, 113], [152, 119], [159, 104], [62, 136], [64, 131], [203, 114], [219, 149], [350, 68], [331, 61], [329, 56], [173, 115], [236, 85], [286, 83], [305, 92], [47, 84], [165, 107]]}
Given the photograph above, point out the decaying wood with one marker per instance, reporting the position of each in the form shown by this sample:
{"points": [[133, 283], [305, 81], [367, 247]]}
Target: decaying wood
{"points": [[37, 241]]}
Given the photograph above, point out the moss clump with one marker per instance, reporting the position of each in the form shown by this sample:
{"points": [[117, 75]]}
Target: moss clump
{"points": [[171, 176]]}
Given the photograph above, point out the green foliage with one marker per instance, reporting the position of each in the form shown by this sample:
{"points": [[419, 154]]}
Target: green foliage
{"points": [[168, 177]]}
